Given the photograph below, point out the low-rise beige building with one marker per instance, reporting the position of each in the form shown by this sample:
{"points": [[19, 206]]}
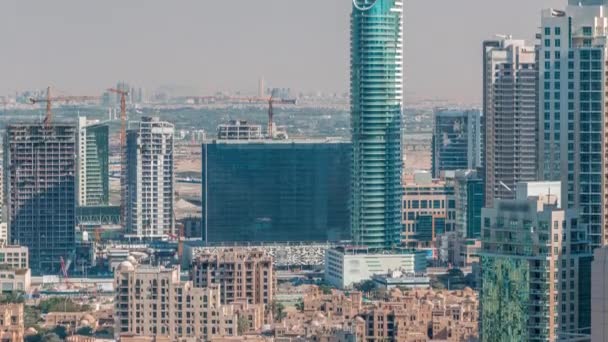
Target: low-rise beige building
{"points": [[15, 280], [413, 316], [15, 274], [240, 273], [73, 320], [11, 323], [14, 257], [153, 302]]}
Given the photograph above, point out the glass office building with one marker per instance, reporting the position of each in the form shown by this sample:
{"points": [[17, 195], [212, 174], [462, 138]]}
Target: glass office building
{"points": [[456, 140], [376, 103], [276, 190], [93, 163]]}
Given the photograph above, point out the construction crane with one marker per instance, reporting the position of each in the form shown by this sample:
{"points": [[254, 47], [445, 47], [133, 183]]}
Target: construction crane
{"points": [[64, 271], [123, 143], [48, 117], [271, 102], [123, 114]]}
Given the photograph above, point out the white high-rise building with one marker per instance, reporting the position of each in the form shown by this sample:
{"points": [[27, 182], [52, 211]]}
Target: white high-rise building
{"points": [[572, 105], [150, 179], [510, 116]]}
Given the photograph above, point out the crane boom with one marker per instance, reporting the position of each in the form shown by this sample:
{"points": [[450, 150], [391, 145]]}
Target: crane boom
{"points": [[48, 118], [271, 101]]}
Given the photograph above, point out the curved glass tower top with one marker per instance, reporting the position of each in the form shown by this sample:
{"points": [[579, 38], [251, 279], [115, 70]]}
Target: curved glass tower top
{"points": [[376, 94]]}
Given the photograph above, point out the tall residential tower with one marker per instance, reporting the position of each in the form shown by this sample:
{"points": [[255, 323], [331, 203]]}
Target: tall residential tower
{"points": [[510, 117], [150, 179], [376, 94], [572, 109]]}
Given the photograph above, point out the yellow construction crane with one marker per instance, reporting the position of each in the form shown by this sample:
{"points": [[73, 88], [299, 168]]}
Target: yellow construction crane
{"points": [[48, 117], [123, 143]]}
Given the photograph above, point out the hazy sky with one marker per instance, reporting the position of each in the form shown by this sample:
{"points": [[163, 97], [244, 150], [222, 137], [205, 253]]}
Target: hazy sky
{"points": [[81, 47]]}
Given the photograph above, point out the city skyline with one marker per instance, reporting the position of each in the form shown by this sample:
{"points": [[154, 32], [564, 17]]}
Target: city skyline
{"points": [[192, 55]]}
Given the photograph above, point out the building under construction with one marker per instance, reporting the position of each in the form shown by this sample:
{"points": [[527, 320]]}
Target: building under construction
{"points": [[40, 168]]}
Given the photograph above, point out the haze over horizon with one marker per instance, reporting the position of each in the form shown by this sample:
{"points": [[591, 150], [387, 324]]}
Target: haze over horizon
{"points": [[200, 46]]}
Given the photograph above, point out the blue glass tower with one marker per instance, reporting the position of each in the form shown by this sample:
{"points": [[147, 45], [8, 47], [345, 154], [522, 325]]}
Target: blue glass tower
{"points": [[376, 99]]}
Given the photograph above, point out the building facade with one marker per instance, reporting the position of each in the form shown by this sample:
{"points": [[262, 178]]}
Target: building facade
{"points": [[239, 130], [93, 164], [510, 117], [41, 191], [599, 295], [347, 266], [376, 99], [456, 140], [428, 210], [12, 322], [276, 190], [239, 273], [572, 109], [536, 271], [469, 199], [153, 302], [149, 191]]}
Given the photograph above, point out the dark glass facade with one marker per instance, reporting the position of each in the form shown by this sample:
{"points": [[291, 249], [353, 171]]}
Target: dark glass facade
{"points": [[456, 140], [276, 191]]}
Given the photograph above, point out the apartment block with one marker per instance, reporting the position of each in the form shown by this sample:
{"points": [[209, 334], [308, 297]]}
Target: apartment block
{"points": [[536, 271], [149, 189], [12, 324], [510, 116], [40, 167], [153, 302], [239, 273], [572, 109]]}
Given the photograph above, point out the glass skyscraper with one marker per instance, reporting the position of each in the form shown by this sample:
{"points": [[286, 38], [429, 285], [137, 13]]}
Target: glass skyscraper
{"points": [[376, 102], [275, 190]]}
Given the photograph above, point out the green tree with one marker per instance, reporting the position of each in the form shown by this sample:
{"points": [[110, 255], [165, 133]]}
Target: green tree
{"points": [[33, 338], [365, 286], [12, 297], [242, 325], [51, 337], [32, 316], [278, 310], [60, 331], [326, 289], [57, 304], [85, 331], [300, 305]]}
